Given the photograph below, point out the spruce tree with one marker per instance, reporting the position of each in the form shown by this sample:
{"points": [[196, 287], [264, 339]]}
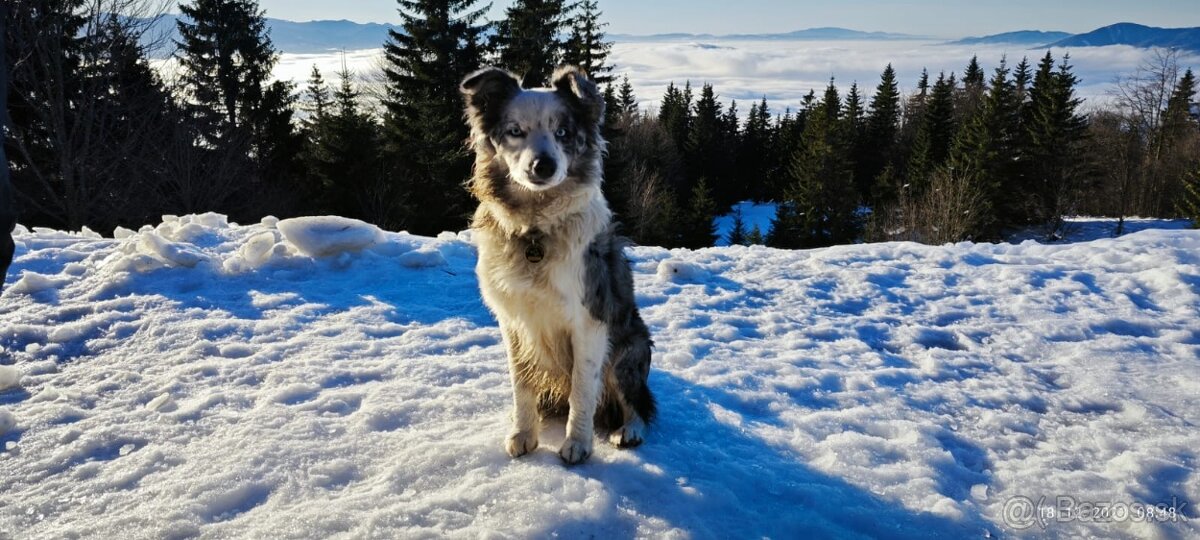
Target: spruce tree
{"points": [[1189, 203], [738, 236], [819, 207], [441, 42], [1054, 131], [854, 140], [705, 150], [984, 148], [754, 151], [529, 40], [755, 237], [626, 97], [699, 228], [585, 46], [316, 97], [1177, 120], [881, 132], [226, 56], [935, 134], [675, 112]]}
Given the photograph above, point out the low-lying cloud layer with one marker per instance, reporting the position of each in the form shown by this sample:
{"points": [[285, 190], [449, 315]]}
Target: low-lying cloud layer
{"points": [[784, 71]]}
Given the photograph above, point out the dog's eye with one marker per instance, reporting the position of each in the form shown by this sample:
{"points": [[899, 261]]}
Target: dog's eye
{"points": [[561, 133], [515, 132]]}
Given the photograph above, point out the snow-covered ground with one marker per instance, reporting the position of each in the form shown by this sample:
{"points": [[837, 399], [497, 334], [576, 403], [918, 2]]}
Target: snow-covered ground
{"points": [[204, 379]]}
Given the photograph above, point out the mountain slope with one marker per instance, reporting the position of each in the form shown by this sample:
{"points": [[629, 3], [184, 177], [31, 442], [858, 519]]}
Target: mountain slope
{"points": [[1135, 35], [309, 37], [826, 33], [204, 379], [1020, 37]]}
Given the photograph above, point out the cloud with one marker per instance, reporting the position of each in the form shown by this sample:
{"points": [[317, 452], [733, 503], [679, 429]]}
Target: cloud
{"points": [[784, 71]]}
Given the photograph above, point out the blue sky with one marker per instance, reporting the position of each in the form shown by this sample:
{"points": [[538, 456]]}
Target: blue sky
{"points": [[950, 18]]}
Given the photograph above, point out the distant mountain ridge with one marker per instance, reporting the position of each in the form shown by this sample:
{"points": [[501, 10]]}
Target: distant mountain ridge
{"points": [[824, 33], [318, 37], [1020, 37], [1135, 35], [309, 37]]}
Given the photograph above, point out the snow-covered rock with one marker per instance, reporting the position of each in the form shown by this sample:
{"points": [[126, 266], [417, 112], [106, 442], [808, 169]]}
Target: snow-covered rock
{"points": [[884, 390]]}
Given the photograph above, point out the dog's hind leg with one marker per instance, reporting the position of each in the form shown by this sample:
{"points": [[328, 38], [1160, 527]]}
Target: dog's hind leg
{"points": [[526, 419], [631, 369]]}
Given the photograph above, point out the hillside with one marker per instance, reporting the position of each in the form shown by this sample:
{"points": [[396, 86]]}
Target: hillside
{"points": [[323, 379], [1020, 37], [1135, 35]]}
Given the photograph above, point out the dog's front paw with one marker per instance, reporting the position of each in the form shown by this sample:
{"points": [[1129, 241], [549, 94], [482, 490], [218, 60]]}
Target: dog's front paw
{"points": [[575, 451], [521, 443]]}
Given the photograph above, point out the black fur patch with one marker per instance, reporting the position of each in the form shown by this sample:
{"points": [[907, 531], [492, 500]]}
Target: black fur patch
{"points": [[609, 298], [487, 91]]}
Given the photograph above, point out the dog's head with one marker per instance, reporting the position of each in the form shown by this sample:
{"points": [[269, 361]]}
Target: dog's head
{"points": [[537, 138]]}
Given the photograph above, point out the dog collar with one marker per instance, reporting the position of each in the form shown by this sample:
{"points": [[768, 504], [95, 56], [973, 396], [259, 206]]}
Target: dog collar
{"points": [[534, 251]]}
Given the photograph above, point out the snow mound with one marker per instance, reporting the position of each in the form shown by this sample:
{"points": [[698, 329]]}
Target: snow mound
{"points": [[33, 283], [679, 271], [171, 253], [329, 236]]}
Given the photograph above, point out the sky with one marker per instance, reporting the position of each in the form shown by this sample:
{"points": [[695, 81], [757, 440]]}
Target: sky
{"points": [[939, 18]]}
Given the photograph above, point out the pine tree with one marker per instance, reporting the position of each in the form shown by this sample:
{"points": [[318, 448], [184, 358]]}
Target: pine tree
{"points": [[316, 94], [1189, 204], [226, 56], [880, 135], [675, 112], [700, 229], [935, 135], [626, 97], [755, 238], [754, 151], [854, 140], [528, 39], [984, 148], [1177, 120], [440, 43], [586, 47], [705, 150], [737, 234], [1055, 132], [972, 90], [819, 207]]}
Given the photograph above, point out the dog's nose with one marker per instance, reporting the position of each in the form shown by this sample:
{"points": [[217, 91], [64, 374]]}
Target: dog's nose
{"points": [[544, 167]]}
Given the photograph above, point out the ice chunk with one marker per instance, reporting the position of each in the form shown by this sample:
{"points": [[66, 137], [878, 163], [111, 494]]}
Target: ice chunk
{"points": [[163, 403], [258, 249], [9, 377], [326, 236], [169, 252], [422, 258], [121, 233], [33, 283], [7, 421]]}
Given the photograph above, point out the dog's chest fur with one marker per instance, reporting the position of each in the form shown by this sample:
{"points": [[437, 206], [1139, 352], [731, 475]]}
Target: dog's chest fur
{"points": [[540, 302]]}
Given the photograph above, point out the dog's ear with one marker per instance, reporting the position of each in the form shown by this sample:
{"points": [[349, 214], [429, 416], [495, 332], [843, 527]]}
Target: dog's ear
{"points": [[486, 92], [574, 85]]}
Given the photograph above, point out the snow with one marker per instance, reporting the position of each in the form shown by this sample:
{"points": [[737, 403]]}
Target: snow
{"points": [[325, 236], [885, 390]]}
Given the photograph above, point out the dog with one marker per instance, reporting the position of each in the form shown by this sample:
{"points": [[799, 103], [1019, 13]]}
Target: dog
{"points": [[551, 267]]}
